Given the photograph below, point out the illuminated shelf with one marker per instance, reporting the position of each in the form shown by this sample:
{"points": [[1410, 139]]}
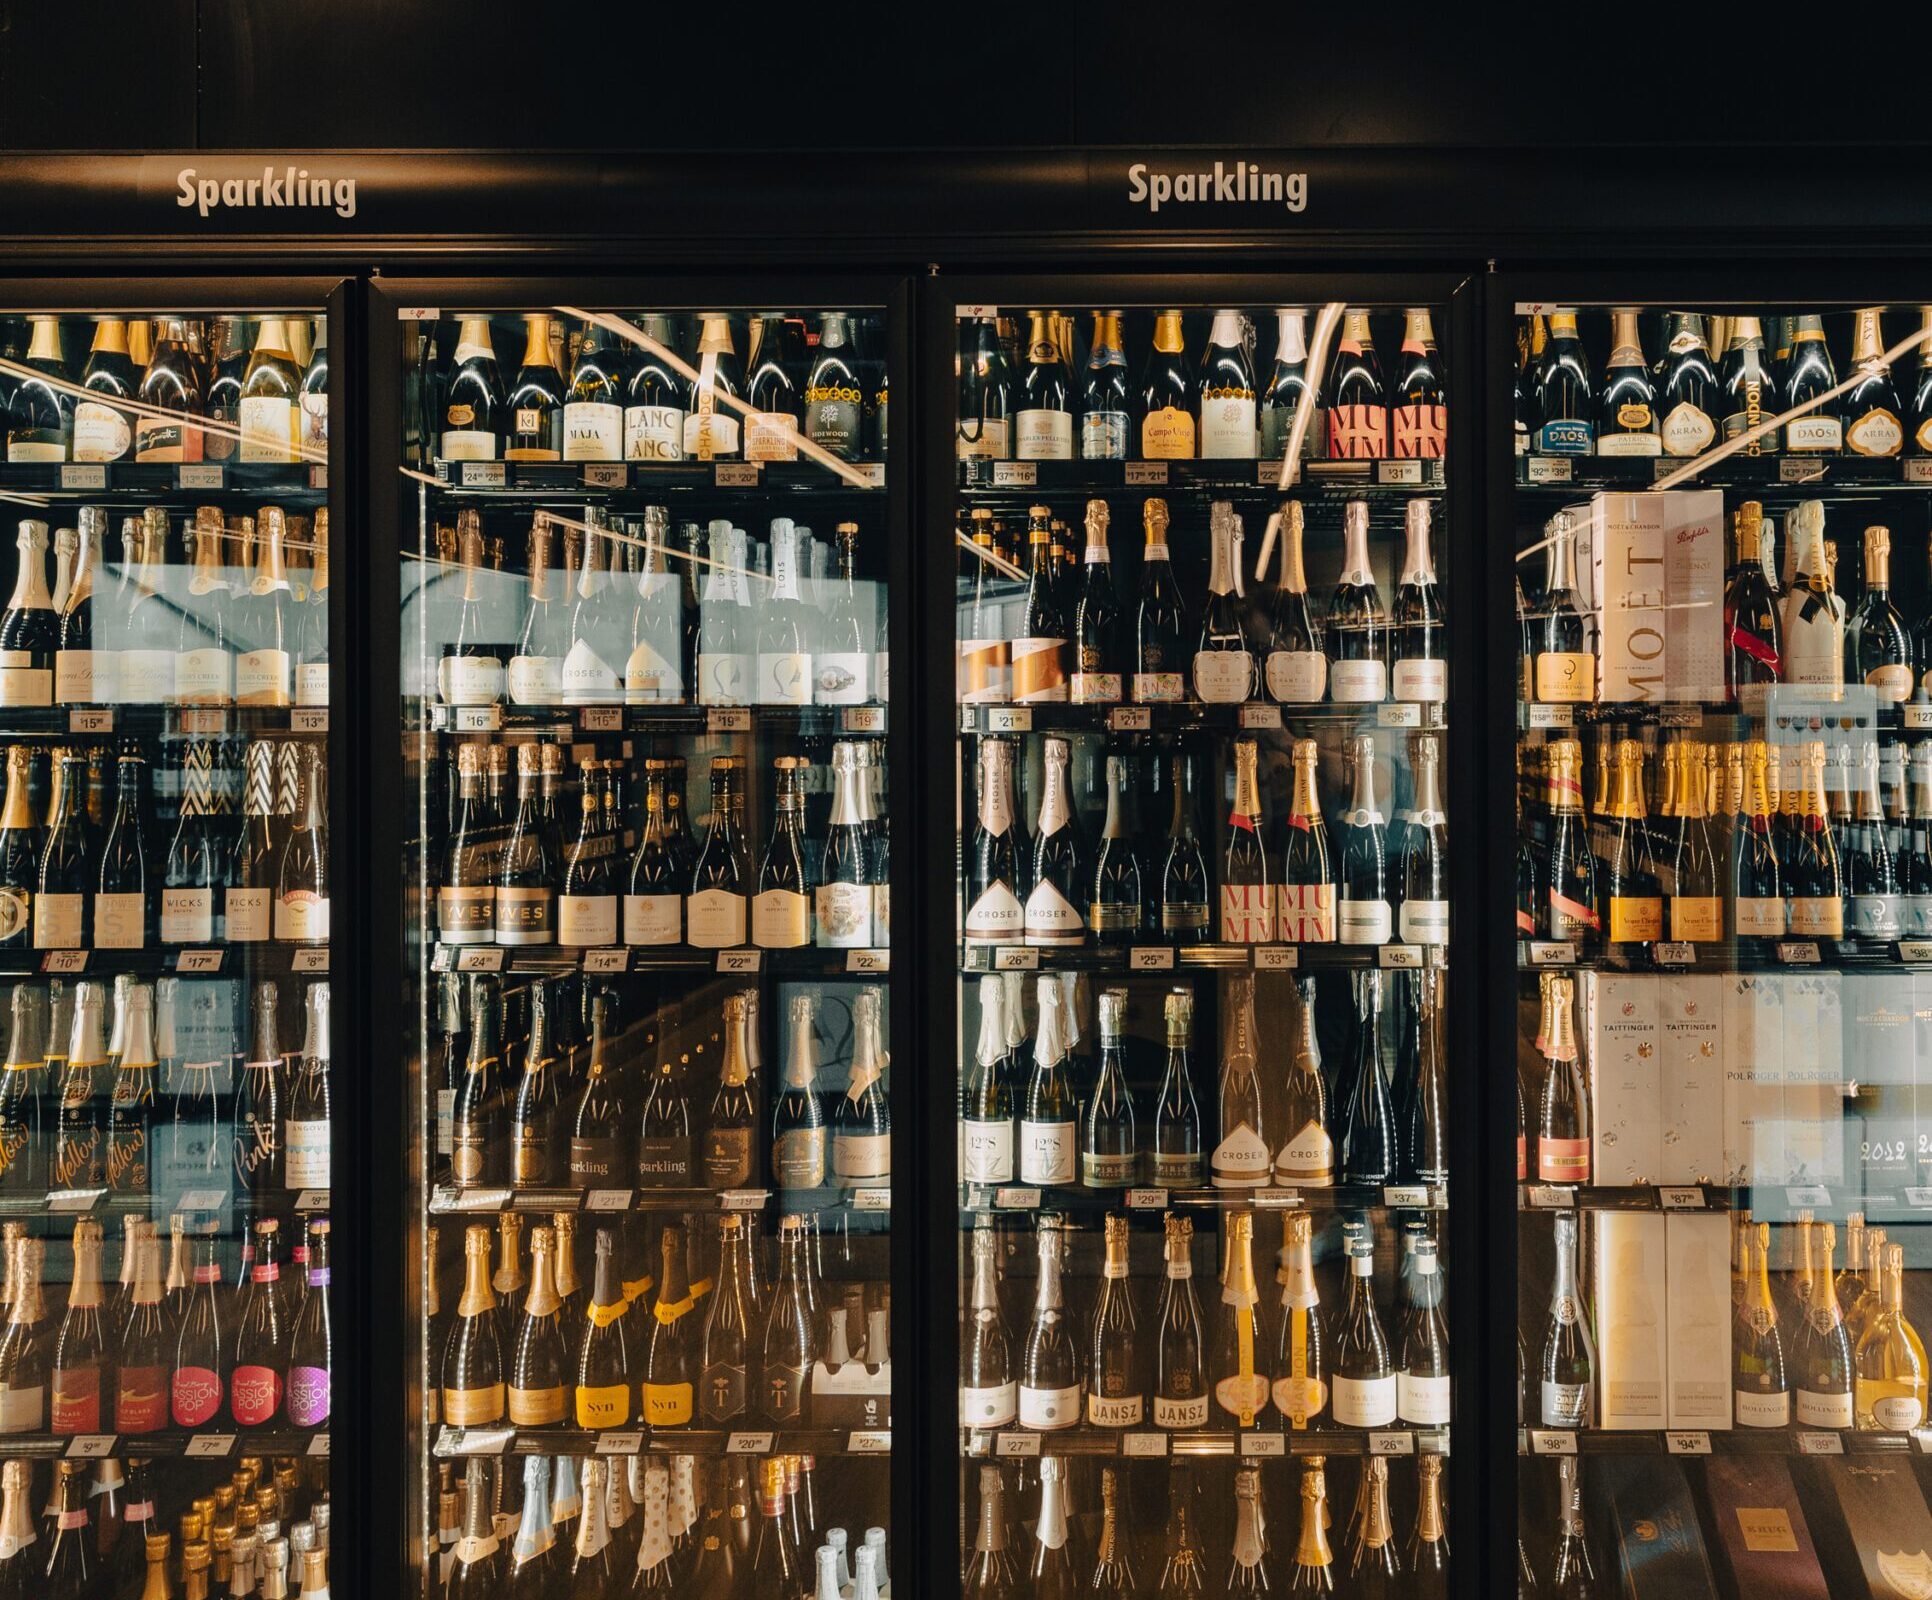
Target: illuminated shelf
{"points": [[1767, 1202], [851, 1205], [1255, 717], [975, 1199], [261, 959], [215, 1443], [26, 722], [600, 479], [1805, 475], [616, 961], [1250, 1444], [788, 722], [1154, 960], [755, 1441], [146, 482], [1247, 478], [1723, 1442]]}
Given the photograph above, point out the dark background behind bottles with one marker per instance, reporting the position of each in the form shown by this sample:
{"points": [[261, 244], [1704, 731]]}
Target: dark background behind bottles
{"points": [[184, 74]]}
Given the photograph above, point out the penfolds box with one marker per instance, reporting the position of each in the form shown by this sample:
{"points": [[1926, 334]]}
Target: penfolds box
{"points": [[1620, 1032], [1875, 1534], [1631, 1289], [1657, 1547], [1814, 1102], [1753, 1079], [1690, 1011], [1877, 1032], [1657, 578], [1762, 1538], [1698, 1319]]}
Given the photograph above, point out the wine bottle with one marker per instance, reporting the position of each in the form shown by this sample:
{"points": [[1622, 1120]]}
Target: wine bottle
{"points": [[1422, 868], [1750, 387], [715, 910], [725, 1154], [1227, 391], [725, 1341], [1565, 405], [1877, 649], [1116, 909], [1300, 1378], [1808, 375], [666, 1150], [1753, 629], [1248, 913], [1313, 1571], [1810, 872], [1688, 398], [849, 659], [130, 1118], [1241, 1388], [260, 1370], [1180, 1375], [1049, 1368], [26, 1348], [1224, 668], [1870, 866], [197, 1389], [1572, 880], [862, 1123], [472, 396], [1358, 402], [1563, 1136], [171, 383], [722, 662], [271, 398], [1363, 1382], [1059, 871], [1242, 1159], [995, 913], [1184, 881], [23, 1150], [1116, 1381], [988, 1381], [788, 1343], [40, 427], [593, 417], [798, 1135], [1761, 1393], [1419, 409], [1039, 651], [82, 674], [1375, 1569], [1290, 387], [985, 393], [1103, 396], [80, 1141], [1296, 666], [1568, 1365], [477, 1566], [81, 1381], [834, 392], [670, 1365], [1821, 1353], [653, 906], [311, 1339], [1919, 419], [1635, 891], [1365, 915], [1168, 403], [1425, 1133], [1305, 899], [601, 1394], [533, 409], [1627, 405], [537, 1361], [1367, 1122], [1563, 669], [1160, 619], [1421, 673], [302, 880], [29, 628], [1176, 1152], [1307, 1158], [1049, 1112], [654, 670], [1871, 410], [654, 398], [535, 1564], [1050, 1573], [1422, 1374], [1043, 407], [1890, 1391], [1357, 629]]}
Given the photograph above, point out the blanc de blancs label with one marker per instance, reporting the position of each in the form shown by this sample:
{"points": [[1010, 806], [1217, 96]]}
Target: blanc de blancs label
{"points": [[1227, 183], [277, 189]]}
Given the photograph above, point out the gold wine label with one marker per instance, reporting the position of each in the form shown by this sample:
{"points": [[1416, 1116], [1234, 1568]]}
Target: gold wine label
{"points": [[465, 1408]]}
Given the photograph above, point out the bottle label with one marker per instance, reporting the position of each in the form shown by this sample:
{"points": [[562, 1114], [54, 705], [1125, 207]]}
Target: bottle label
{"points": [[725, 1388], [1184, 920], [144, 677], [1898, 1413], [308, 1154], [1763, 1410], [1364, 1402], [986, 1150], [1247, 913], [16, 911], [1633, 435], [1180, 1413], [1566, 436], [1096, 688], [653, 433], [668, 1405], [1358, 432], [1243, 1396], [204, 675], [1636, 919], [781, 919], [1915, 915], [1043, 436], [1422, 1400], [1877, 433], [771, 436], [861, 1157], [586, 678], [715, 919], [534, 681], [844, 915], [1050, 917], [1039, 670], [1420, 431], [1278, 427], [1115, 1411], [302, 916], [1049, 1408], [1567, 1405], [709, 435], [1300, 1400], [1223, 677], [603, 1405], [1173, 1170], [1876, 916], [467, 1408], [586, 919], [140, 1401], [194, 1396], [1167, 435], [470, 680], [593, 1162], [262, 677], [308, 1397], [1565, 677], [1424, 922], [1108, 1171], [22, 1410], [1696, 918], [665, 1161], [22, 683], [1563, 1160], [536, 1408], [781, 1391], [834, 420], [1048, 1152], [1366, 922], [1228, 428], [1241, 1160], [165, 439], [100, 432], [784, 679], [77, 1400], [990, 1407], [1817, 1410], [798, 1159], [1813, 434], [1308, 1158], [187, 916], [1119, 917], [1687, 431], [1893, 683], [120, 921], [983, 439], [1421, 679], [1158, 688], [245, 914], [593, 430], [79, 675], [727, 1158], [36, 450], [1817, 917], [724, 678], [270, 428], [1358, 682], [1306, 912], [1103, 436], [653, 918], [468, 444], [1570, 919], [996, 917]]}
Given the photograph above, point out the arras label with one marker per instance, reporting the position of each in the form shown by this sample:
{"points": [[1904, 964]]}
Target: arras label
{"points": [[1687, 431]]}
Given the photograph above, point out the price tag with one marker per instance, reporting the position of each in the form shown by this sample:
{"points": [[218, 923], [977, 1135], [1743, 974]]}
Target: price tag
{"points": [[742, 1199], [1276, 958], [1807, 1197], [1541, 716], [619, 1444], [871, 1199], [97, 719], [74, 1199], [1392, 1442], [91, 1446], [1135, 1445], [1676, 953], [728, 719], [318, 477], [308, 719], [1146, 1199], [1017, 1444], [319, 1445], [64, 961], [201, 475], [1798, 952], [200, 961], [1399, 714], [1552, 953], [1681, 1199], [868, 961], [1918, 469], [479, 1199], [474, 1441], [748, 1444], [736, 474], [607, 961], [312, 1200], [1687, 1444], [605, 475], [1916, 718], [600, 719], [1017, 1199], [83, 477], [1277, 1197], [861, 719], [480, 958], [1548, 469], [1552, 1442], [1009, 719], [1915, 949], [203, 1200], [607, 1200], [315, 960], [974, 313], [1400, 473], [211, 722], [1404, 956], [867, 474], [1552, 1197], [742, 961], [1144, 474], [1820, 1444], [869, 1442], [1130, 719], [482, 474], [476, 719], [1268, 474], [1799, 469], [1257, 1444], [1150, 958], [1919, 1199], [1015, 958], [204, 1445], [1408, 1196], [1260, 717], [1015, 474]]}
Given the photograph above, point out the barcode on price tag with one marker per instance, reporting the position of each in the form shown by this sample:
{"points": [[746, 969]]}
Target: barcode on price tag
{"points": [[1821, 1444], [1688, 1444], [1263, 1444], [607, 1200], [619, 1444], [1143, 1444], [1150, 958], [203, 1445], [748, 1444]]}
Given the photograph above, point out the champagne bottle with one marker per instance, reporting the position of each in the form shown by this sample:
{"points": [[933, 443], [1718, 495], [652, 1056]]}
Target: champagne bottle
{"points": [[990, 1572], [1871, 868], [80, 1142], [533, 409], [1242, 1158], [1116, 1383], [1363, 1382], [593, 416], [1821, 1354], [260, 1373], [1300, 1386], [172, 382], [472, 1375], [1177, 1144], [1296, 666], [1306, 898], [601, 1393], [1419, 409], [1060, 867], [81, 1385], [1564, 670], [781, 911], [29, 628], [1811, 873], [40, 427], [788, 1343], [1307, 1159], [311, 1341], [1290, 388], [1750, 387], [27, 1347], [1180, 1376], [1563, 1120], [989, 1379], [862, 1122], [1878, 651], [1422, 868], [1049, 1367], [1572, 880], [1040, 649], [1050, 1574], [1635, 893], [1761, 1394], [715, 909], [196, 1391], [120, 904], [1365, 914], [1313, 1571], [1224, 668], [472, 397], [1358, 402], [537, 1363], [1113, 1573], [1890, 1390], [1096, 622], [985, 392], [995, 912], [1227, 392], [1160, 619], [1627, 406], [1421, 672], [1168, 403], [1375, 1569], [1872, 413], [1241, 1387], [130, 1120], [1049, 1112], [1116, 909], [1565, 406], [1568, 1365], [725, 1341], [261, 623], [1103, 398], [1248, 913], [1689, 392], [23, 1150], [1357, 629], [1184, 917], [1043, 409], [726, 1156], [670, 1364], [271, 398], [1109, 1139], [1422, 1375]]}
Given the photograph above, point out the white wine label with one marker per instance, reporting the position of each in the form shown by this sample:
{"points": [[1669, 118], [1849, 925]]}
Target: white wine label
{"points": [[1306, 912], [1103, 436], [1421, 679], [1248, 913], [1223, 677], [270, 428], [100, 432], [592, 431], [1051, 917], [1364, 1402], [986, 1151], [1424, 922], [1817, 917], [120, 921], [1241, 1160], [1039, 670], [1423, 1401], [83, 675], [1043, 436], [841, 678], [1566, 1405], [653, 918], [1898, 1413], [1366, 922], [22, 683], [302, 917], [991, 1407], [653, 433], [1121, 1412], [996, 917], [468, 444], [1893, 683], [1308, 1158], [22, 1410], [798, 1159], [1049, 1408], [844, 912], [307, 1154], [187, 916], [1048, 1152], [781, 919], [771, 436], [715, 919], [1687, 431], [534, 681], [724, 678], [1617, 443], [983, 439], [1763, 1410], [1813, 435], [783, 679], [586, 678], [586, 919], [1180, 1413], [470, 680], [206, 674], [1358, 682], [861, 1157], [263, 677], [246, 915], [1877, 433], [1817, 1410], [1228, 429]]}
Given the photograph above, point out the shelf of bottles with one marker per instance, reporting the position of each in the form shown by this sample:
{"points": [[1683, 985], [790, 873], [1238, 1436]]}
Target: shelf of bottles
{"points": [[1203, 949], [1724, 922], [165, 1134], [646, 666]]}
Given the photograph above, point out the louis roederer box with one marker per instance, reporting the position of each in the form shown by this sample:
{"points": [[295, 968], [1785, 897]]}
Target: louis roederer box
{"points": [[1753, 1050], [1690, 1012], [1656, 577], [1632, 1335], [1620, 1031], [1698, 1319]]}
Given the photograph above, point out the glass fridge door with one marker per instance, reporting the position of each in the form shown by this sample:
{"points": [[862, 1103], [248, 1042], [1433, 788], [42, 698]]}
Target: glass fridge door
{"points": [[1202, 942], [645, 658], [165, 1134], [1724, 941]]}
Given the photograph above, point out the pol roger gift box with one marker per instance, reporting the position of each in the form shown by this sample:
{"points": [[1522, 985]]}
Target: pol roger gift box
{"points": [[1697, 1276], [1632, 1335]]}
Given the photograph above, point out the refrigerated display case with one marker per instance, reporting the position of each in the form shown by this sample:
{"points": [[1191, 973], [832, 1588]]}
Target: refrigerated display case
{"points": [[1716, 514], [1206, 1050], [649, 532], [167, 1144]]}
